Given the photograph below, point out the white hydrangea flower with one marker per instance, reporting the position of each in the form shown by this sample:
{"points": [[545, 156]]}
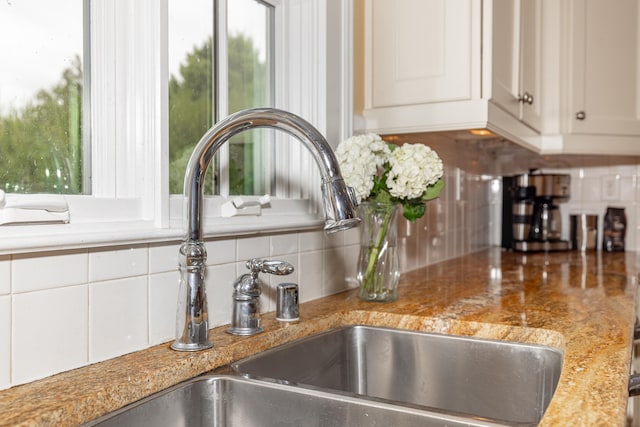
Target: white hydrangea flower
{"points": [[413, 168], [360, 157]]}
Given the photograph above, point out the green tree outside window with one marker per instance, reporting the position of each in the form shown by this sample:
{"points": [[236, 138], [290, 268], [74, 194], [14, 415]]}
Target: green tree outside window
{"points": [[41, 143]]}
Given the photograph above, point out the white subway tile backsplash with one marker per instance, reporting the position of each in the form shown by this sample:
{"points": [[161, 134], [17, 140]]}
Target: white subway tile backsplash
{"points": [[441, 216], [311, 275], [49, 332], [105, 264], [5, 342], [627, 188], [422, 250], [220, 279], [436, 248], [253, 247], [163, 306], [284, 244], [334, 240], [450, 244], [351, 254], [407, 244], [118, 317], [450, 190], [630, 210], [594, 172], [610, 187], [336, 278], [352, 236], [311, 240], [33, 272], [163, 257], [5, 275], [625, 170], [576, 187], [221, 251], [407, 253], [595, 189]]}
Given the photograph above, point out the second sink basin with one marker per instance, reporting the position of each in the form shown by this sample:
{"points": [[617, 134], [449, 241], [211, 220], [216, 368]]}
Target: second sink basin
{"points": [[502, 381], [230, 401]]}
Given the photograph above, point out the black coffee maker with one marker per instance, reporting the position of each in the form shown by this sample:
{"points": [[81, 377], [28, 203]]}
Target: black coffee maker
{"points": [[531, 220]]}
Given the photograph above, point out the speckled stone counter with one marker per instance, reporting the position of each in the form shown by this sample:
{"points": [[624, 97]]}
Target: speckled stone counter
{"points": [[582, 304]]}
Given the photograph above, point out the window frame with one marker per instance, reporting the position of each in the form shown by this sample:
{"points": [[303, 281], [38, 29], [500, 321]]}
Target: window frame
{"points": [[130, 201]]}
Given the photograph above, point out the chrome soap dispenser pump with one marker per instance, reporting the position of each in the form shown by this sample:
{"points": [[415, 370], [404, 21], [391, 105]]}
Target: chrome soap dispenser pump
{"points": [[245, 318]]}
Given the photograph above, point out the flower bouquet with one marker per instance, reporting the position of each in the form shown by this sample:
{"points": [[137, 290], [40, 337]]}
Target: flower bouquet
{"points": [[384, 178]]}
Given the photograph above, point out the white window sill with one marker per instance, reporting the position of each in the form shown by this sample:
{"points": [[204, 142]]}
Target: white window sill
{"points": [[38, 238]]}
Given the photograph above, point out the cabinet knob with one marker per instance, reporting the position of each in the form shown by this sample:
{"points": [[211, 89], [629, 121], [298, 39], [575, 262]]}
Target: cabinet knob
{"points": [[581, 115], [526, 98]]}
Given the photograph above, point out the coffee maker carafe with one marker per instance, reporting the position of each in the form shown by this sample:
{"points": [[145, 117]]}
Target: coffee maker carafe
{"points": [[531, 216], [546, 222]]}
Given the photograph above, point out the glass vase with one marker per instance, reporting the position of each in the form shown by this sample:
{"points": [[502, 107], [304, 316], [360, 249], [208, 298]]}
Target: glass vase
{"points": [[378, 263]]}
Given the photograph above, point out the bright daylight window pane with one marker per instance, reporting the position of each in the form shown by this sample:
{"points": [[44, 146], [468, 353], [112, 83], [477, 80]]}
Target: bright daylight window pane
{"points": [[190, 82], [191, 88], [249, 86], [41, 81]]}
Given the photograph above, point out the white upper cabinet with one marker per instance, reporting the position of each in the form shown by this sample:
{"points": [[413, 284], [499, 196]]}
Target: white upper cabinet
{"points": [[428, 67], [557, 76], [603, 76], [422, 51], [506, 79], [517, 59], [422, 65]]}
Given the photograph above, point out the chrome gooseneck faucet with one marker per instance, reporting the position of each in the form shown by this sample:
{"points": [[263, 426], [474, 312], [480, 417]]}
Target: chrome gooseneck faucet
{"points": [[339, 205]]}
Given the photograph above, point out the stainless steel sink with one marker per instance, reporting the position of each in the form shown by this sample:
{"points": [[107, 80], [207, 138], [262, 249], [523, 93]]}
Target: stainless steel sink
{"points": [[499, 380], [222, 400]]}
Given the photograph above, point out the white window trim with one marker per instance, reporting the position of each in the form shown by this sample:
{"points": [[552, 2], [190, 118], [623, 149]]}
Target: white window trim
{"points": [[130, 202]]}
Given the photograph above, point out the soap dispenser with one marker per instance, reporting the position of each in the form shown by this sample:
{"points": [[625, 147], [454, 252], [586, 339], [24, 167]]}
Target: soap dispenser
{"points": [[245, 318]]}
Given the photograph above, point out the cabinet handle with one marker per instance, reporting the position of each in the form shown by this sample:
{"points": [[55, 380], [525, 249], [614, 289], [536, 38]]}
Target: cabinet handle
{"points": [[581, 115], [527, 98]]}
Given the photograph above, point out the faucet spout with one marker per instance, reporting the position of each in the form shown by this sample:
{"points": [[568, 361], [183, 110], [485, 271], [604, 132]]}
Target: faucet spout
{"points": [[339, 205]]}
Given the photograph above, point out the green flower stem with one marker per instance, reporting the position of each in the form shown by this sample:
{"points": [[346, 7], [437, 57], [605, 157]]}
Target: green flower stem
{"points": [[369, 282]]}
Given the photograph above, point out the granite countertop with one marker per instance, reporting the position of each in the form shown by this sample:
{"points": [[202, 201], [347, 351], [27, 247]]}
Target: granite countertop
{"points": [[582, 304]]}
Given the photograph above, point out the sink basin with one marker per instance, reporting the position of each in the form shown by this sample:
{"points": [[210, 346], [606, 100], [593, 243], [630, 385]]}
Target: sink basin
{"points": [[224, 400], [508, 382]]}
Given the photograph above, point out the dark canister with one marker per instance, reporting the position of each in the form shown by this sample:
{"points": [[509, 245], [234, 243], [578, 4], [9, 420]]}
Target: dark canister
{"points": [[583, 232], [614, 229]]}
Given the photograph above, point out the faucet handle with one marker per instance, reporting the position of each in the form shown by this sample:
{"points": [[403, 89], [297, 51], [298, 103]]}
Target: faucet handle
{"points": [[279, 268], [245, 319]]}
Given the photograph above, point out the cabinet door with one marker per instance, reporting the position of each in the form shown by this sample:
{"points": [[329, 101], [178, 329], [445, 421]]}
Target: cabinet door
{"points": [[421, 51], [531, 62], [505, 90], [517, 58], [604, 67]]}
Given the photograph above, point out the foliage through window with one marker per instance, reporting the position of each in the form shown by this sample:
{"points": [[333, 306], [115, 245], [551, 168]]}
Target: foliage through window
{"points": [[43, 148], [41, 97], [242, 77]]}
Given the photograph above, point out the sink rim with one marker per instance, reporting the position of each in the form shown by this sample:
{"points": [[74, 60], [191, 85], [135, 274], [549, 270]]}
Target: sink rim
{"points": [[313, 335], [325, 395], [558, 369]]}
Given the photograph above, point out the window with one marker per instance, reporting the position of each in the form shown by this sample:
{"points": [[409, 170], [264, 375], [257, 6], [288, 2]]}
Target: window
{"points": [[234, 68], [120, 192], [41, 98]]}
